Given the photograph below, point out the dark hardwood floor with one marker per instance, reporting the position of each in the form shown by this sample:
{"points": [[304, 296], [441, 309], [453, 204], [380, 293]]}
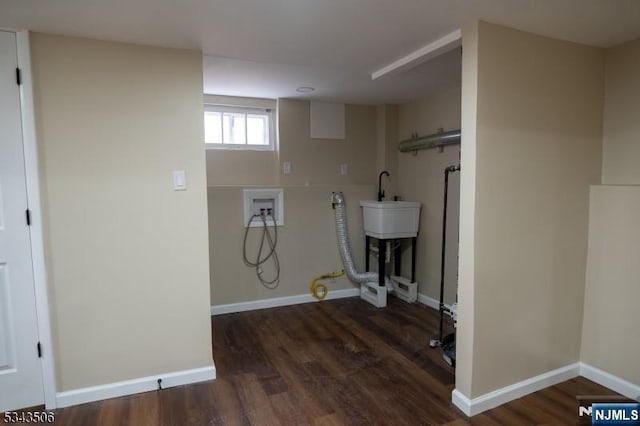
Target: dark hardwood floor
{"points": [[340, 362]]}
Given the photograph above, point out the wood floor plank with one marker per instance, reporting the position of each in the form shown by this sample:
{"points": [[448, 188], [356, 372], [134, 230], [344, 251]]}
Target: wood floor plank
{"points": [[287, 410], [146, 409], [226, 405], [341, 362], [255, 401], [308, 391], [329, 420]]}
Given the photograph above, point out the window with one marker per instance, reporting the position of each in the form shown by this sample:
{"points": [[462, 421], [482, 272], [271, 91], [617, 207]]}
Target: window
{"points": [[228, 127]]}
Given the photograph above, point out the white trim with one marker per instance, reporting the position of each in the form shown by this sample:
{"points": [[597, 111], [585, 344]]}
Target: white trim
{"points": [[302, 298], [280, 301], [430, 301], [129, 387], [237, 147], [239, 101], [608, 380], [425, 53], [474, 406], [36, 230], [462, 402]]}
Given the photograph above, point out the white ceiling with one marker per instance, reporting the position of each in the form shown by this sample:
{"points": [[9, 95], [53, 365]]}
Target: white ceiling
{"points": [[270, 47], [234, 77]]}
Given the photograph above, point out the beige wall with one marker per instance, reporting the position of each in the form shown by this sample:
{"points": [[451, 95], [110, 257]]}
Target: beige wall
{"points": [[307, 245], [317, 161], [387, 147], [538, 148], [313, 161], [420, 178], [127, 256], [465, 332], [610, 337], [257, 166], [621, 148]]}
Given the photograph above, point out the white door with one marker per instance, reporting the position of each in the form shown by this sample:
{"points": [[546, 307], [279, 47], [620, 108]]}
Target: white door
{"points": [[20, 369]]}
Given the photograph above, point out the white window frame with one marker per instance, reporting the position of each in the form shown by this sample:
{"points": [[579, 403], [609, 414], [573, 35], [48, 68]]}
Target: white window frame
{"points": [[270, 113]]}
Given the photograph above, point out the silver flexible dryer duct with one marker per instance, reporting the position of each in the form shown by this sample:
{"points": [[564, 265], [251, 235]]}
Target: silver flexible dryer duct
{"points": [[337, 199]]}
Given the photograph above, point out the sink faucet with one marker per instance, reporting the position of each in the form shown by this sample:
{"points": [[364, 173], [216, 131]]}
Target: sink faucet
{"points": [[380, 190]]}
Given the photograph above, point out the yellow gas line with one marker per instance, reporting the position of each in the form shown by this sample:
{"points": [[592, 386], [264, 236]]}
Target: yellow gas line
{"points": [[319, 289]]}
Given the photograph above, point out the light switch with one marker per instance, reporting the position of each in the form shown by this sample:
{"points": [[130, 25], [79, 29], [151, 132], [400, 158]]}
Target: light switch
{"points": [[179, 180], [344, 169]]}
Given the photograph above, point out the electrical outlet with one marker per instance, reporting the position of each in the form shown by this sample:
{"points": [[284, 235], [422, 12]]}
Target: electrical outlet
{"points": [[286, 167]]}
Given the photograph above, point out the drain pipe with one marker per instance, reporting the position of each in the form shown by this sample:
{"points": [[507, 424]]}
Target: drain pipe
{"points": [[437, 140], [338, 203]]}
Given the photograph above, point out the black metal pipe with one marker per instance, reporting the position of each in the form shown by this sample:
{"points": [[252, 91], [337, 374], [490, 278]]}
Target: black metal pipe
{"points": [[414, 243], [367, 243], [382, 257], [442, 309], [397, 257]]}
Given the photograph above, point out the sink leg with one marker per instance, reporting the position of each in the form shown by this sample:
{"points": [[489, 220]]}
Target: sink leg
{"points": [[382, 254], [367, 242], [413, 259]]}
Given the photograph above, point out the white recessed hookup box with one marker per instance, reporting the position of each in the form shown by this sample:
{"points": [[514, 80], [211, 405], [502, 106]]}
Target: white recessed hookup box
{"points": [[266, 201]]}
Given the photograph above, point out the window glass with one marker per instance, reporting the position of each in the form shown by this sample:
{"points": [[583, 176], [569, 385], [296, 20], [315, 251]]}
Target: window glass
{"points": [[212, 127], [238, 128], [257, 130], [234, 128]]}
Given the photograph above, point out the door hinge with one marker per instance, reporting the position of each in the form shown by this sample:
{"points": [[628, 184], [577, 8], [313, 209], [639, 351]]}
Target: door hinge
{"points": [[39, 350], [18, 76], [28, 214]]}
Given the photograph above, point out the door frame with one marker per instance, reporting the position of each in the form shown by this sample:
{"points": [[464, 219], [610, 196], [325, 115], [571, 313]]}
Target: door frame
{"points": [[36, 231]]}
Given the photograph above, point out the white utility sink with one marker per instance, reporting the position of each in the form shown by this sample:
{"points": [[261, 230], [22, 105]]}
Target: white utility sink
{"points": [[390, 219]]}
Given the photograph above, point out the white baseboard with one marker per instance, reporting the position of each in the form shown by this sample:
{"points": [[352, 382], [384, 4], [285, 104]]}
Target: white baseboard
{"points": [[280, 301], [129, 387], [462, 402], [474, 406], [610, 381], [303, 298], [430, 301]]}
